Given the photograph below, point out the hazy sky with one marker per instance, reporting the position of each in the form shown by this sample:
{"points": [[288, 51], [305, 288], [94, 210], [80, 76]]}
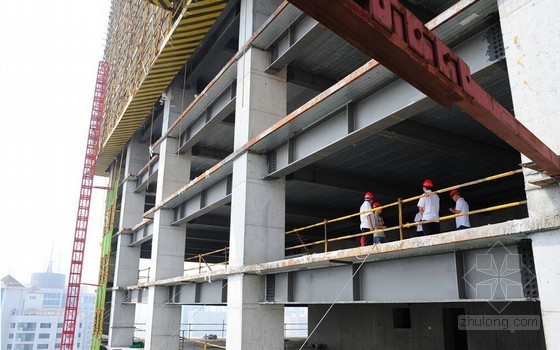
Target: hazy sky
{"points": [[48, 63]]}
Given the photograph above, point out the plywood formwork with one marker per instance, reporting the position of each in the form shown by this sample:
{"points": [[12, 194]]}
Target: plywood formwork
{"points": [[146, 47]]}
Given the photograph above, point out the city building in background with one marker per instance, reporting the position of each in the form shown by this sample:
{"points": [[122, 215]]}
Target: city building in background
{"points": [[31, 316]]}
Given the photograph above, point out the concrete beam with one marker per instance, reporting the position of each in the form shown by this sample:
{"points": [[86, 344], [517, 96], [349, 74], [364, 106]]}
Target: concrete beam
{"points": [[507, 233]]}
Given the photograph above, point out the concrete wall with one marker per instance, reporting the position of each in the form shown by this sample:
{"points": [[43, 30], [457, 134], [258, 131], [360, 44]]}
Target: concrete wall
{"points": [[371, 326]]}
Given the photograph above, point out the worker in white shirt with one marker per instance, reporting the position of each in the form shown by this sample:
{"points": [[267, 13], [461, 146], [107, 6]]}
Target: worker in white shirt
{"points": [[366, 219], [461, 207], [428, 205]]}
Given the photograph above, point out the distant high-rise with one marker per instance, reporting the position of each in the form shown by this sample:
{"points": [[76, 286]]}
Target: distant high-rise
{"points": [[31, 317]]}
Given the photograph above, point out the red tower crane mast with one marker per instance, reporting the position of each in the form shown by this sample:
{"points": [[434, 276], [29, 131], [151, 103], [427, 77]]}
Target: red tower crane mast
{"points": [[76, 264]]}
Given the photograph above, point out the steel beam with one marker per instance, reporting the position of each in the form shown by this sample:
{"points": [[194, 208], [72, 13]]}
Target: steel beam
{"points": [[388, 32], [220, 108], [424, 136], [204, 202], [331, 179], [297, 37], [309, 80], [370, 115]]}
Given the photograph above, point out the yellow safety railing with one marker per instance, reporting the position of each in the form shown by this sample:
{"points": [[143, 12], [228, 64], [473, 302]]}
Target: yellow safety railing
{"points": [[205, 343], [400, 227], [399, 203], [202, 262]]}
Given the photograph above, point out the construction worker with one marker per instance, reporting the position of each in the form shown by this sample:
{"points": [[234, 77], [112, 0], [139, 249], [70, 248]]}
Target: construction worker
{"points": [[428, 205], [366, 219], [461, 207], [378, 223]]}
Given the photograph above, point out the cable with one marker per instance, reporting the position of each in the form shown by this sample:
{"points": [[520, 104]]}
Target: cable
{"points": [[338, 296]]}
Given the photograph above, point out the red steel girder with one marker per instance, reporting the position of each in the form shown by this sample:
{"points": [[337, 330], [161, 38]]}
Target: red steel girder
{"points": [[388, 32]]}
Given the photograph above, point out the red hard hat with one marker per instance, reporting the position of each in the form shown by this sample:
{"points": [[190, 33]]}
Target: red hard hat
{"points": [[428, 183], [368, 195], [376, 204], [453, 192]]}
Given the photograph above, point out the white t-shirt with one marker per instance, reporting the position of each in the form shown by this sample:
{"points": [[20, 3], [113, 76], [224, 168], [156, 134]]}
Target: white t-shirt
{"points": [[364, 223], [430, 203], [462, 206], [418, 218]]}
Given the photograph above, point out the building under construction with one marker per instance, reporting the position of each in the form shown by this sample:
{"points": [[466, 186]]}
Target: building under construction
{"points": [[240, 137]]}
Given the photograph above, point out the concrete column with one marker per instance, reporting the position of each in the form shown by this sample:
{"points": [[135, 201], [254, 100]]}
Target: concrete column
{"points": [[168, 242], [546, 250], [164, 321], [257, 206], [530, 31], [253, 14], [121, 324]]}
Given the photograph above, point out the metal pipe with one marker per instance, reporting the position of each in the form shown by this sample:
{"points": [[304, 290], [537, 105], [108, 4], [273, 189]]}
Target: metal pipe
{"points": [[400, 219], [326, 238], [448, 217]]}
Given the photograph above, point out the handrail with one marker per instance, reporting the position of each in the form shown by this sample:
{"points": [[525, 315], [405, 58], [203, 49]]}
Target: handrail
{"points": [[407, 225], [465, 184], [400, 203], [201, 260], [340, 218], [205, 343], [206, 254]]}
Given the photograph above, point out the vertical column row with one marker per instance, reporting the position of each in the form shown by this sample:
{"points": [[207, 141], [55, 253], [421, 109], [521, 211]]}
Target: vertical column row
{"points": [[168, 242], [121, 324], [257, 206]]}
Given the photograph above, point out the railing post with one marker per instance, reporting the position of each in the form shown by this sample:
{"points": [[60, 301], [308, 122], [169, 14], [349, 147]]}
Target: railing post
{"points": [[400, 219], [326, 238]]}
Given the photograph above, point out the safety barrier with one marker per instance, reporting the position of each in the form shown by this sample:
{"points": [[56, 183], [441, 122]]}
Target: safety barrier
{"points": [[203, 263], [401, 226]]}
